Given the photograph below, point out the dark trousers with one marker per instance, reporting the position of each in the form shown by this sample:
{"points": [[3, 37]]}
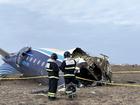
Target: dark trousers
{"points": [[52, 87], [70, 87], [70, 79]]}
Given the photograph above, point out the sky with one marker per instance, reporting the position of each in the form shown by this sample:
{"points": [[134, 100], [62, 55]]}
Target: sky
{"points": [[111, 27]]}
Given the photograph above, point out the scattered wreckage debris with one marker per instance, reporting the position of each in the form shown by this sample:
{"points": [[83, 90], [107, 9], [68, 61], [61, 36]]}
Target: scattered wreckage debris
{"points": [[92, 68], [38, 91], [131, 82]]}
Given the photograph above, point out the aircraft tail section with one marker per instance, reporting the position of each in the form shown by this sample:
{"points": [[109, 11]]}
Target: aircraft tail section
{"points": [[3, 53]]}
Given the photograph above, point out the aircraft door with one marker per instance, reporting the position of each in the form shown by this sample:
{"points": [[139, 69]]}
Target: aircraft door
{"points": [[22, 54]]}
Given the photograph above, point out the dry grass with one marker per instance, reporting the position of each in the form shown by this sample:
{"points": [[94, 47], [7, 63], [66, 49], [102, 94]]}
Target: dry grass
{"points": [[19, 93]]}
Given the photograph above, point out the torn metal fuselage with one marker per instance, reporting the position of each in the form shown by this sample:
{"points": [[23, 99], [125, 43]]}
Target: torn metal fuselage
{"points": [[92, 68], [32, 62]]}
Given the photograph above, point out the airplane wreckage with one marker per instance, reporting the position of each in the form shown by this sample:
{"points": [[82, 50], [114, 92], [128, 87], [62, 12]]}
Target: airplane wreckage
{"points": [[31, 62]]}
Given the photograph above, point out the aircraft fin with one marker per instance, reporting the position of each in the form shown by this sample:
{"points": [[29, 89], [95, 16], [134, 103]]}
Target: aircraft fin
{"points": [[4, 53]]}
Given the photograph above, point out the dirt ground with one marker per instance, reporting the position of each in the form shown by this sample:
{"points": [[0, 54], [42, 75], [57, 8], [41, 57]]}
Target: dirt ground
{"points": [[19, 92]]}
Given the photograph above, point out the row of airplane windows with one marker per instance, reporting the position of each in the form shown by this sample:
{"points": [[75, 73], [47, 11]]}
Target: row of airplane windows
{"points": [[34, 60]]}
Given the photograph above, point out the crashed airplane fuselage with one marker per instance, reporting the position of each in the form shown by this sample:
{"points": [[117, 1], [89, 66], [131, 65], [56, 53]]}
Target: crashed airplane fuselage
{"points": [[32, 62]]}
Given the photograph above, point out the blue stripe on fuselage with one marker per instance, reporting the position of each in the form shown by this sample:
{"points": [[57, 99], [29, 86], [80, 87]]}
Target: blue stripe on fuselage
{"points": [[60, 57]]}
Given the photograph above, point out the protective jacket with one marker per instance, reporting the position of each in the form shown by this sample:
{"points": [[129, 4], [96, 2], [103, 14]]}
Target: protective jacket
{"points": [[52, 69], [53, 75], [68, 67]]}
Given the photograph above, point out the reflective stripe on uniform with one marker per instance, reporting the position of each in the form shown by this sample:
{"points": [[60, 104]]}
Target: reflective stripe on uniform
{"points": [[68, 68], [51, 94], [68, 92], [69, 75], [77, 68], [54, 77], [49, 69]]}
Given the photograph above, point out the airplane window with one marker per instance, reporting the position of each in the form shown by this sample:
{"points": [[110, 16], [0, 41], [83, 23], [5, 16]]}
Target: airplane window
{"points": [[27, 58], [43, 63], [38, 62], [34, 60], [31, 59]]}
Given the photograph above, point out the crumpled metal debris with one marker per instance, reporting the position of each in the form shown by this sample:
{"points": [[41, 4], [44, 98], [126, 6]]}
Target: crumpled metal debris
{"points": [[94, 68]]}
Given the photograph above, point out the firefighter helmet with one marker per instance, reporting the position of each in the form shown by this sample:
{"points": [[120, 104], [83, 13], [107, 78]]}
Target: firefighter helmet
{"points": [[67, 54], [54, 56]]}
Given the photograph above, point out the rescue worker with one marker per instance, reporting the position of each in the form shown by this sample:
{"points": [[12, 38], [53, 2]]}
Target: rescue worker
{"points": [[68, 66], [53, 75]]}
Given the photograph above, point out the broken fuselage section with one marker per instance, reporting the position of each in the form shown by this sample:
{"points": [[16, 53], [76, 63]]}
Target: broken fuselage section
{"points": [[32, 62], [92, 68]]}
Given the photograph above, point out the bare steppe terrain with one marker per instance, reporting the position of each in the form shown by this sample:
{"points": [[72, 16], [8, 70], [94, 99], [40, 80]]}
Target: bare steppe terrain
{"points": [[19, 92]]}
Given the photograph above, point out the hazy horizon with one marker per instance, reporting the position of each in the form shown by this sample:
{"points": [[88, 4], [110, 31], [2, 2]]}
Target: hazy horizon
{"points": [[110, 27]]}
